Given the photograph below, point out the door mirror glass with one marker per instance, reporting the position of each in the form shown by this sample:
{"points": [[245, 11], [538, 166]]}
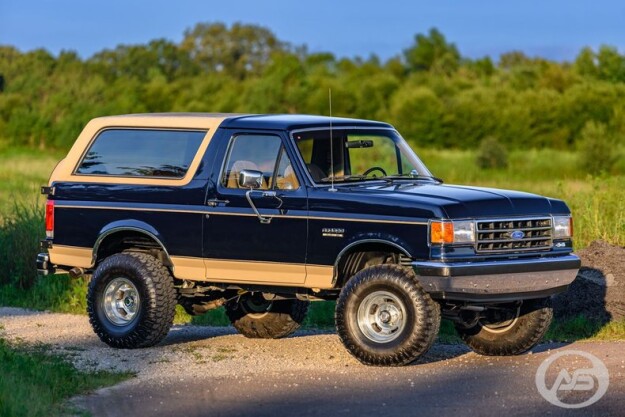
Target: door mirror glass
{"points": [[249, 178]]}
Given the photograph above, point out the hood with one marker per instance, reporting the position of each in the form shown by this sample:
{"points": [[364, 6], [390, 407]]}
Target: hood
{"points": [[467, 202]]}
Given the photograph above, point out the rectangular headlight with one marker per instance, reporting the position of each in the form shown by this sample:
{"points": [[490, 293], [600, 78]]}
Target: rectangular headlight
{"points": [[447, 232], [562, 227], [464, 231]]}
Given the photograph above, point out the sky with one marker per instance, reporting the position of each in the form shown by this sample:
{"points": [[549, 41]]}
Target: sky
{"points": [[554, 29]]}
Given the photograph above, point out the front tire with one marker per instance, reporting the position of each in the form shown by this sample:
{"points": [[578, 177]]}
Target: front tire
{"points": [[385, 318], [509, 331], [131, 301], [257, 318]]}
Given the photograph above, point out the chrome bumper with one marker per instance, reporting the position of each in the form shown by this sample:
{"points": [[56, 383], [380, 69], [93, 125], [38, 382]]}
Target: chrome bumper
{"points": [[497, 281]]}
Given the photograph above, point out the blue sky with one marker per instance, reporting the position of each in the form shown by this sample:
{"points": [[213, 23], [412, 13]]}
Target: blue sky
{"points": [[555, 29]]}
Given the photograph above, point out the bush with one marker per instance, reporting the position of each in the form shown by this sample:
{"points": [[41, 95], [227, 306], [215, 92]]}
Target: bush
{"points": [[597, 148], [492, 154], [20, 233]]}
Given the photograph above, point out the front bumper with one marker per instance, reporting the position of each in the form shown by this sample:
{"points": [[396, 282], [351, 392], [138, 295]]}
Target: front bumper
{"points": [[497, 281]]}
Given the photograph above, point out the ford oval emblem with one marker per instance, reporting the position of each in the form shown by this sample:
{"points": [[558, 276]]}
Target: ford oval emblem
{"points": [[517, 234]]}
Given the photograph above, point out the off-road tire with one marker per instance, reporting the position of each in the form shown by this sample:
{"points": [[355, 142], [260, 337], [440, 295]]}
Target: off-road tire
{"points": [[422, 318], [156, 310], [282, 318], [531, 325]]}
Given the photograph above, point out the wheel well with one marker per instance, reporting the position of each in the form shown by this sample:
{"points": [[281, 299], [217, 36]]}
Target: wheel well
{"points": [[131, 241], [364, 255]]}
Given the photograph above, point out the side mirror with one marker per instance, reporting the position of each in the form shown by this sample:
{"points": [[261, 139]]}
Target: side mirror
{"points": [[249, 178]]}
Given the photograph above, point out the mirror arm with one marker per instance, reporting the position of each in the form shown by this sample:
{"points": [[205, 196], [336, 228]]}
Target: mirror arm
{"points": [[263, 219]]}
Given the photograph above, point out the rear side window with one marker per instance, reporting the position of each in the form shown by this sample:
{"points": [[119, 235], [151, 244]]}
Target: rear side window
{"points": [[142, 153]]}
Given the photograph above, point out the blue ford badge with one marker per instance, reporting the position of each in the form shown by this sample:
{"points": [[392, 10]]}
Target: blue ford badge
{"points": [[517, 234]]}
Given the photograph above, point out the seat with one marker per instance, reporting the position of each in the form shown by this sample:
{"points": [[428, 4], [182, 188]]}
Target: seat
{"points": [[288, 181]]}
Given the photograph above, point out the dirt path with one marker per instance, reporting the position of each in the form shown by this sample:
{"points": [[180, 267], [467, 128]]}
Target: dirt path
{"points": [[213, 371]]}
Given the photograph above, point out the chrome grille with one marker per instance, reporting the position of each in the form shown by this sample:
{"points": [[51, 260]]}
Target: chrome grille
{"points": [[513, 235]]}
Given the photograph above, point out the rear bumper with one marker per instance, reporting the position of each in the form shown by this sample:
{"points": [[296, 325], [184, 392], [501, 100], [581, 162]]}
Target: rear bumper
{"points": [[44, 266], [498, 281]]}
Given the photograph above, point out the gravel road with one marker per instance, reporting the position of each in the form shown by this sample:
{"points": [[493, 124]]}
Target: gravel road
{"points": [[214, 371]]}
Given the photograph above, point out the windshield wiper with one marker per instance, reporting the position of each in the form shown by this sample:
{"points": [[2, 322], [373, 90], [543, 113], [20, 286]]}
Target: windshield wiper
{"points": [[390, 178], [347, 178]]}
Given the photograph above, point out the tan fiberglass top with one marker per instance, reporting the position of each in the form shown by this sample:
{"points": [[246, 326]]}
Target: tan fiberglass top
{"points": [[64, 172]]}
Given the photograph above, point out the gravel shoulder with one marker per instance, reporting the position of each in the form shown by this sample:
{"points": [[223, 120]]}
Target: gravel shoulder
{"points": [[214, 371]]}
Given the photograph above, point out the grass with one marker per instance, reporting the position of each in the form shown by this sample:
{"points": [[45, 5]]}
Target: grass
{"points": [[22, 172], [34, 384]]}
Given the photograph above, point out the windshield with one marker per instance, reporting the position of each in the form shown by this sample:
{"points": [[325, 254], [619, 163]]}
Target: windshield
{"points": [[358, 154]]}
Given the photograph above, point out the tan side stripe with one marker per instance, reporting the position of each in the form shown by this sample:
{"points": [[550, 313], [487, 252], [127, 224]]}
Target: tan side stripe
{"points": [[217, 213], [71, 256], [253, 272]]}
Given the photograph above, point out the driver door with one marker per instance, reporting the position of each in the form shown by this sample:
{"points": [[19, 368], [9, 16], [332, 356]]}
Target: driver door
{"points": [[238, 244]]}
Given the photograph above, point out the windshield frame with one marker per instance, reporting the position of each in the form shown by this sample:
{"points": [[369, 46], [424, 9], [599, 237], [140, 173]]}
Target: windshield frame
{"points": [[423, 174]]}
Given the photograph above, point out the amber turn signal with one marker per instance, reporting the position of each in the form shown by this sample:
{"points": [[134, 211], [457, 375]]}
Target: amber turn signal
{"points": [[441, 232]]}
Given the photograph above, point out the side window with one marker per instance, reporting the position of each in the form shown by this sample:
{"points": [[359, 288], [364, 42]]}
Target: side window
{"points": [[141, 153], [285, 174], [263, 153]]}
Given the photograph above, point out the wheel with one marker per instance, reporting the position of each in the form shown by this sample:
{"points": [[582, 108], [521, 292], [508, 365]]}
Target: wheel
{"points": [[131, 301], [385, 318], [509, 329], [255, 317]]}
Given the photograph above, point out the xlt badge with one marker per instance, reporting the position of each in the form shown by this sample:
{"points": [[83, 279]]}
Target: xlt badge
{"points": [[332, 232]]}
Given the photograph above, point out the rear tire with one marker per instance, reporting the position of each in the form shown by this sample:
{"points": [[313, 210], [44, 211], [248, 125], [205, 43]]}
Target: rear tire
{"points": [[257, 318], [131, 301], [385, 318], [524, 327]]}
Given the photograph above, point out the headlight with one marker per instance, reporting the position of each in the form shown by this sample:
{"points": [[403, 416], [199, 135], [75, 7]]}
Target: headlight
{"points": [[461, 231], [562, 227]]}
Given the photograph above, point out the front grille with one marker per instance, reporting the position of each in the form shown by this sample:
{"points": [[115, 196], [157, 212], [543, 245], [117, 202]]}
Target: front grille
{"points": [[513, 235]]}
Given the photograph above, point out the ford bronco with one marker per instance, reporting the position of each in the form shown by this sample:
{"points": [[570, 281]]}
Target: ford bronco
{"points": [[262, 214]]}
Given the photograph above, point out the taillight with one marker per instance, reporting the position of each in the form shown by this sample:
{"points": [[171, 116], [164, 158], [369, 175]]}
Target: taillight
{"points": [[50, 219]]}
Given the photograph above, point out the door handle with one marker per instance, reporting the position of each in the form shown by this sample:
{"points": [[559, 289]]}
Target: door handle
{"points": [[214, 202]]}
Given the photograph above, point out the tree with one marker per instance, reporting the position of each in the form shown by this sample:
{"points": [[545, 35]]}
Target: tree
{"points": [[433, 53], [239, 50]]}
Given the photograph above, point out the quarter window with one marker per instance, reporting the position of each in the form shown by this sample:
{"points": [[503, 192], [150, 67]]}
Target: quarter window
{"points": [[262, 153], [142, 153]]}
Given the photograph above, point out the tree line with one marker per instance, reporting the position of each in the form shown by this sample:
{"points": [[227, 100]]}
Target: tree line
{"points": [[430, 92]]}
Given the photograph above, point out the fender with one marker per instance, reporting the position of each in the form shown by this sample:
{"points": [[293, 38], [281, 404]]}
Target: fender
{"points": [[128, 225], [367, 239]]}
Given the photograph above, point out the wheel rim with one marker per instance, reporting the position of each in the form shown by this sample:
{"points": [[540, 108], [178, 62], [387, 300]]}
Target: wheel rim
{"points": [[381, 317], [256, 306], [502, 326], [121, 302]]}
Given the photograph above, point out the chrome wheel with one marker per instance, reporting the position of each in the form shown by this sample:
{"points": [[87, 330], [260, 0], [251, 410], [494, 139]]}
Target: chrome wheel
{"points": [[121, 301], [504, 325], [381, 316], [255, 305]]}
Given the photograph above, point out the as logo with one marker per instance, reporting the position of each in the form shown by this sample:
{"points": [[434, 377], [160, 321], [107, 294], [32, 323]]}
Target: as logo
{"points": [[579, 387]]}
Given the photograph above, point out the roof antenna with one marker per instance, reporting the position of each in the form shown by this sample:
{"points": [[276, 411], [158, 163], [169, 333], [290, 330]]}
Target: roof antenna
{"points": [[332, 189]]}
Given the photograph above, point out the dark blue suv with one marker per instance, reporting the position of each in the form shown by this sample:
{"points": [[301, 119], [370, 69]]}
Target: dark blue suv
{"points": [[262, 214]]}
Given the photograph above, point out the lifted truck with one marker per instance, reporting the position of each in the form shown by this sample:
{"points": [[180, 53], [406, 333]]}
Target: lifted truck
{"points": [[263, 214]]}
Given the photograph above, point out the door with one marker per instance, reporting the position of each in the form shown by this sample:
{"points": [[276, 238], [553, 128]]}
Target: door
{"points": [[260, 235]]}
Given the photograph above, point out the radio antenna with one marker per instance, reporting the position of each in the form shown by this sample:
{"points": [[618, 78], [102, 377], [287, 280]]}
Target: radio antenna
{"points": [[331, 144]]}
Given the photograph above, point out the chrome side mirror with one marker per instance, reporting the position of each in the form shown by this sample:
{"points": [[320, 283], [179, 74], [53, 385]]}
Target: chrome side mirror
{"points": [[249, 178]]}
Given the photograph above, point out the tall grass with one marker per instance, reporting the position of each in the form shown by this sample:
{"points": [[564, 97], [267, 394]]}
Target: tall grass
{"points": [[20, 233]]}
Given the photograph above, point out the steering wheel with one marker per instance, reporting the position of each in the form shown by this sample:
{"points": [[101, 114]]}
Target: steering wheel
{"points": [[370, 170]]}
